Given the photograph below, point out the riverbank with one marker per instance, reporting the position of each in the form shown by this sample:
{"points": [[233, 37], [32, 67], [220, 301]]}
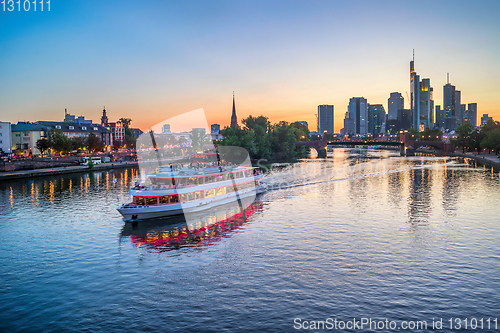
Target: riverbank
{"points": [[485, 159], [62, 170]]}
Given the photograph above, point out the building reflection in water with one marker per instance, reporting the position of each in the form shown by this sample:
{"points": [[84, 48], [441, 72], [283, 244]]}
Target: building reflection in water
{"points": [[50, 191], [161, 235]]}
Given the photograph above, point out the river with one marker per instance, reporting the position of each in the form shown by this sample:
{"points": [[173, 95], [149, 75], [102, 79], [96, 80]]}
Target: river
{"points": [[361, 234]]}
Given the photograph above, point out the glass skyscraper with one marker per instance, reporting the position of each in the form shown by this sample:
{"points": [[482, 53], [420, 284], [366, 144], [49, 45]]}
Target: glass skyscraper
{"points": [[325, 119]]}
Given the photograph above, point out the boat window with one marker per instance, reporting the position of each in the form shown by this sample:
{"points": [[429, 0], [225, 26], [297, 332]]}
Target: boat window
{"points": [[182, 197], [221, 191], [191, 181], [248, 173], [150, 201], [164, 199], [190, 196], [200, 180], [220, 178], [199, 194], [139, 201], [174, 198]]}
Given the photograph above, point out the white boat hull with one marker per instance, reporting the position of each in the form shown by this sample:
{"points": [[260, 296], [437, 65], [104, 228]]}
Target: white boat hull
{"points": [[133, 213]]}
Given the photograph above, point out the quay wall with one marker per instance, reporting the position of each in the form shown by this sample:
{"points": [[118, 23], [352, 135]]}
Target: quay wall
{"points": [[62, 170], [485, 159]]}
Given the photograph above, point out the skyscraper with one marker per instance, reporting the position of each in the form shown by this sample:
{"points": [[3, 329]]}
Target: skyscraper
{"points": [[472, 113], [450, 106], [421, 102], [458, 106], [484, 119], [394, 103], [325, 119], [376, 117], [358, 111], [440, 116], [234, 120]]}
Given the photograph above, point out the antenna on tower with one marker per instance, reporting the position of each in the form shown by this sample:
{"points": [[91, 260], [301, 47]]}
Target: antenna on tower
{"points": [[413, 54], [448, 78]]}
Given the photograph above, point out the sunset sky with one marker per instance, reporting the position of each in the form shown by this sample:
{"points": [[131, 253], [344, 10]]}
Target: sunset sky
{"points": [[153, 60]]}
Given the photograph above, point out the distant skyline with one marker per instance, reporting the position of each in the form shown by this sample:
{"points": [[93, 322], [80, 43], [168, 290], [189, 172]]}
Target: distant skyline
{"points": [[153, 60]]}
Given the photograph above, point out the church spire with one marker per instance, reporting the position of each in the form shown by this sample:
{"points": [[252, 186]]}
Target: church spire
{"points": [[234, 119], [104, 118]]}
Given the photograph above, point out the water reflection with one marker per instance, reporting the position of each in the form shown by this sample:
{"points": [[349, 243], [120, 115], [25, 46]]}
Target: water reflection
{"points": [[161, 235]]}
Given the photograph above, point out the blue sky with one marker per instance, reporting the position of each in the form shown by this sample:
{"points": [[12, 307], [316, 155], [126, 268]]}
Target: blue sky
{"points": [[151, 60]]}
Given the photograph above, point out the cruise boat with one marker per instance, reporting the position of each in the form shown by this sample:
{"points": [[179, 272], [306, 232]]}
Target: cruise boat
{"points": [[171, 192]]}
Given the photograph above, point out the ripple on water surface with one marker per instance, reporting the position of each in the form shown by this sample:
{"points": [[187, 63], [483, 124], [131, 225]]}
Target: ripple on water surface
{"points": [[356, 235]]}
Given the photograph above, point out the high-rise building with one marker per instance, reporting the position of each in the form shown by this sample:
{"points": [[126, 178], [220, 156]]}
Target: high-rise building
{"points": [[376, 118], [471, 113], [394, 103], [215, 129], [421, 103], [485, 119], [458, 106], [348, 126], [166, 129], [325, 119], [358, 111], [404, 119], [234, 120], [440, 116], [305, 124]]}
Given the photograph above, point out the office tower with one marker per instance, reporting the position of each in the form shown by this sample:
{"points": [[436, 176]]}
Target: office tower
{"points": [[394, 103], [358, 111], [348, 126], [325, 119], [234, 120], [420, 99], [215, 129], [450, 105], [404, 119], [472, 113], [376, 117], [485, 119], [440, 116], [432, 117], [165, 129], [458, 107]]}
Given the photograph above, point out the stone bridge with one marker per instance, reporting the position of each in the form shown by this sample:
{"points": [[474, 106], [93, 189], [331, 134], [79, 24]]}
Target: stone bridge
{"points": [[407, 146]]}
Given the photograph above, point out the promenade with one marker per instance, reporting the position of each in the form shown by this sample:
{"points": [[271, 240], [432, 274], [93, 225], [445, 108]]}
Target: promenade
{"points": [[482, 159], [62, 170]]}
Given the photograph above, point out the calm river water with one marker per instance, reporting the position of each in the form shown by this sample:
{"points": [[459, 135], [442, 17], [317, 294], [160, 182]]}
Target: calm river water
{"points": [[357, 235]]}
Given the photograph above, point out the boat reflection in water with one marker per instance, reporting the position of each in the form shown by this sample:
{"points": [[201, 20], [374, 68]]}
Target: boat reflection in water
{"points": [[206, 229]]}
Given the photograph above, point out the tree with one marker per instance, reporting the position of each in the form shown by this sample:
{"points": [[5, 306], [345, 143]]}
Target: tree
{"points": [[93, 142], [90, 163], [463, 136], [58, 141], [130, 139], [492, 140], [77, 143], [197, 137], [42, 145], [125, 122]]}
